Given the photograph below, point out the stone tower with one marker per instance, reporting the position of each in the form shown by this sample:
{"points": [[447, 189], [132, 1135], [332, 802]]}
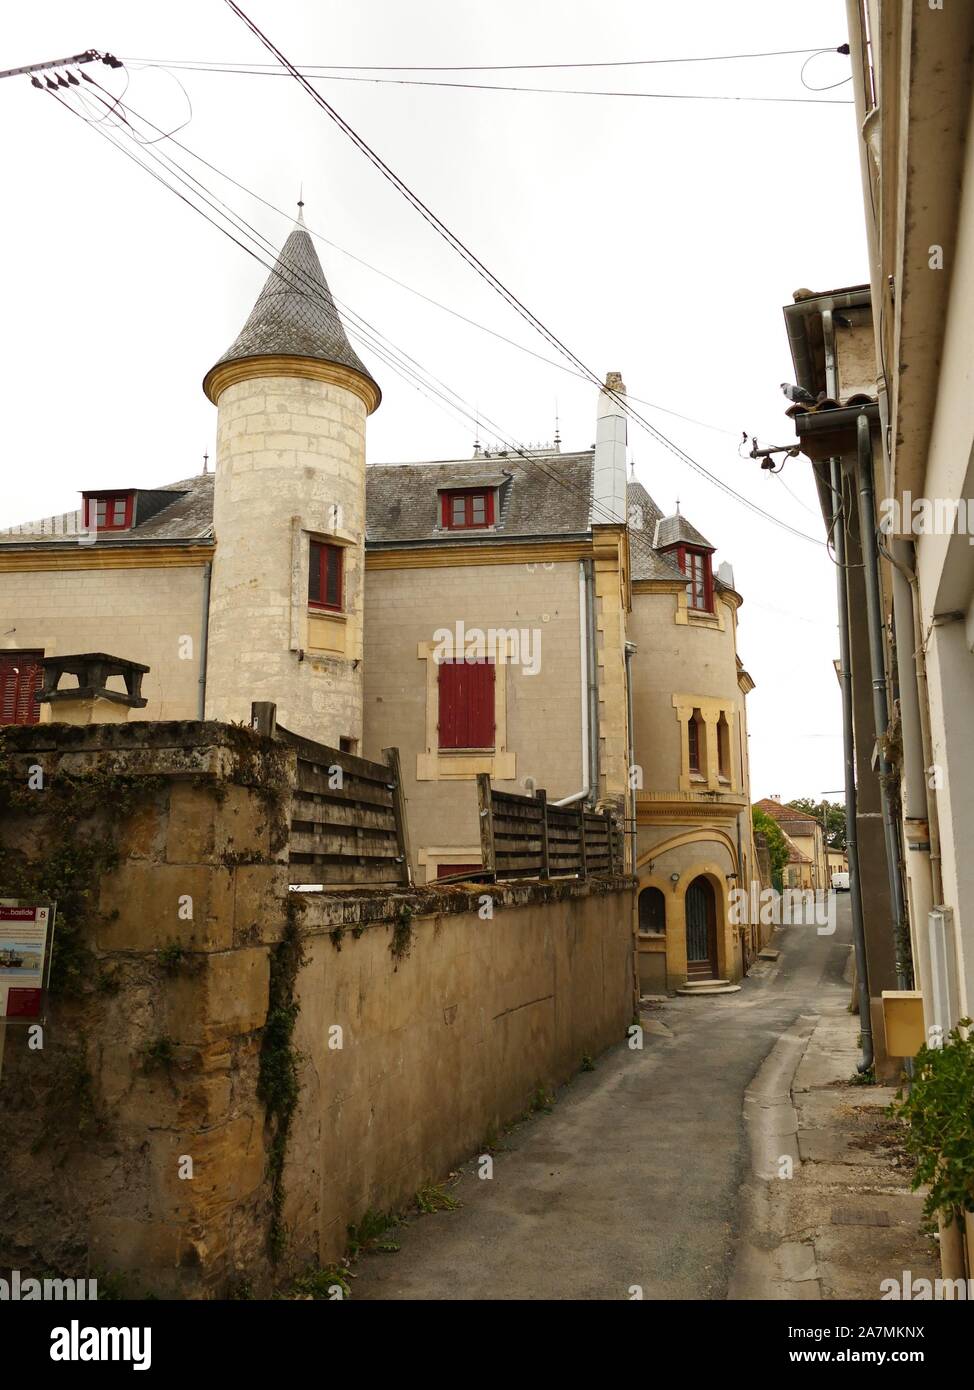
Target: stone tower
{"points": [[286, 598]]}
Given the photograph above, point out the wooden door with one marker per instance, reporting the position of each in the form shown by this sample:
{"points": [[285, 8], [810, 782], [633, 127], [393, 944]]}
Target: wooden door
{"points": [[701, 918]]}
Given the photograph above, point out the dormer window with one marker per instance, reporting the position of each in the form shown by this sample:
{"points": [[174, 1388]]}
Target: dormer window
{"points": [[108, 511], [695, 564], [467, 509]]}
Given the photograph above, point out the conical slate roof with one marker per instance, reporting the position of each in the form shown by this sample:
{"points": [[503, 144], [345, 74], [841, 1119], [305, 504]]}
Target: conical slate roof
{"points": [[295, 315]]}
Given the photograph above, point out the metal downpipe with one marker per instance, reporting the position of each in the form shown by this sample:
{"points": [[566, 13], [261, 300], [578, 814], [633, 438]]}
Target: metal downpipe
{"points": [[874, 618], [849, 759]]}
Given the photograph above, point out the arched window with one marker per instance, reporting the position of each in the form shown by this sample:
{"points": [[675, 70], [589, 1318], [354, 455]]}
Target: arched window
{"points": [[723, 747], [696, 735], [652, 911]]}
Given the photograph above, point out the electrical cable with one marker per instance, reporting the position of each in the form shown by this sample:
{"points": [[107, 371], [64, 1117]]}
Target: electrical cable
{"points": [[512, 67], [481, 269], [502, 87]]}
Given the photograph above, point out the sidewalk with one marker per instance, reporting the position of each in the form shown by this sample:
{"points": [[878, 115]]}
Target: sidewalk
{"points": [[846, 1218]]}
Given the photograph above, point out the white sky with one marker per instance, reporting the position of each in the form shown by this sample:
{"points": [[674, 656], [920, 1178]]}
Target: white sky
{"points": [[659, 238]]}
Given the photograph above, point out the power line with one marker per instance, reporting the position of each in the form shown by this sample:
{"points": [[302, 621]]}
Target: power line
{"points": [[507, 87], [446, 308], [481, 269], [384, 349], [506, 67]]}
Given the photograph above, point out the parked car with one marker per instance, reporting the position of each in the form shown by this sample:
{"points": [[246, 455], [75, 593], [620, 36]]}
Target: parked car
{"points": [[840, 880]]}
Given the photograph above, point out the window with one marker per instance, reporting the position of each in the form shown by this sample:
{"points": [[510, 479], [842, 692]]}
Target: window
{"points": [[466, 704], [108, 511], [696, 737], [695, 564], [325, 574], [467, 510], [652, 911], [21, 674], [348, 745], [723, 748]]}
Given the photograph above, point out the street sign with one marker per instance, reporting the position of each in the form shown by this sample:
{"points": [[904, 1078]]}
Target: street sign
{"points": [[26, 935]]}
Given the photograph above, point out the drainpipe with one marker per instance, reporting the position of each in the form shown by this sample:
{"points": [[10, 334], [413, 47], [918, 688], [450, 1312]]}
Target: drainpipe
{"points": [[586, 646], [874, 618], [204, 637], [849, 759], [630, 727]]}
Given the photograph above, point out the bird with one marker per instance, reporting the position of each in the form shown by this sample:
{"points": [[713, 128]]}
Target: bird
{"points": [[798, 394]]}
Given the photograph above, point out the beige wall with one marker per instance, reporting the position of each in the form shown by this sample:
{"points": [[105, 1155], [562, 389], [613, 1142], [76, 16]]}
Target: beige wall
{"points": [[443, 1047], [288, 451], [541, 713], [159, 1060], [139, 614]]}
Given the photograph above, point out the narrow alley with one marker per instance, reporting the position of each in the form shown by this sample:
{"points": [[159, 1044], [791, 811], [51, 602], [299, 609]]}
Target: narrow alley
{"points": [[636, 1184]]}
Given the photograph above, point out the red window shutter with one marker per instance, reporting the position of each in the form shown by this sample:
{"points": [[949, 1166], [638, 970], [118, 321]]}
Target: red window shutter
{"points": [[466, 704], [449, 870], [325, 575], [21, 674]]}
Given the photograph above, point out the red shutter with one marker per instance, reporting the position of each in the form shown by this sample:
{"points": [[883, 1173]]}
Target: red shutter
{"points": [[466, 704], [21, 674]]}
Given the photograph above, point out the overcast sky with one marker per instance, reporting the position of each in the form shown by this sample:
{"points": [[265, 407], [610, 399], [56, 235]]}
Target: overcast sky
{"points": [[655, 237]]}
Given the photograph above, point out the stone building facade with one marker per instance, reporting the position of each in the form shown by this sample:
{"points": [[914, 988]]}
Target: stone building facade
{"points": [[527, 613]]}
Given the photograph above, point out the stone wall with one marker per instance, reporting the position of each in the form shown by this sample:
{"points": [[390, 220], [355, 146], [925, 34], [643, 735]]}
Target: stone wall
{"points": [[171, 1130]]}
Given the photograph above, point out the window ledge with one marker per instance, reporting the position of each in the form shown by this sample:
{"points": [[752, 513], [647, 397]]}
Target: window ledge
{"points": [[322, 612]]}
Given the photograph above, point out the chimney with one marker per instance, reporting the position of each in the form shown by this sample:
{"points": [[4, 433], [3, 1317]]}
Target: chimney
{"points": [[91, 701], [609, 481]]}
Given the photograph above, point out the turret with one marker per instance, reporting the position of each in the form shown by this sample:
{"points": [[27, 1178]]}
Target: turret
{"points": [[286, 598]]}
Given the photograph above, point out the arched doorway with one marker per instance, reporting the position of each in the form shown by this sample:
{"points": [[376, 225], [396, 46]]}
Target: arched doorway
{"points": [[701, 919]]}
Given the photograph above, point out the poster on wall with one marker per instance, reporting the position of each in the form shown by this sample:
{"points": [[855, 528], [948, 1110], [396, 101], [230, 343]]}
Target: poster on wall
{"points": [[26, 932]]}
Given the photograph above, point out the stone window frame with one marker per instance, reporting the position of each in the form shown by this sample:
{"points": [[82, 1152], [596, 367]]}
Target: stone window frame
{"points": [[301, 609], [435, 764], [709, 779]]}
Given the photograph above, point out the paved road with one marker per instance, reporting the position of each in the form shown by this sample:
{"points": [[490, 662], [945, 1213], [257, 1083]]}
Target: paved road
{"points": [[633, 1177]]}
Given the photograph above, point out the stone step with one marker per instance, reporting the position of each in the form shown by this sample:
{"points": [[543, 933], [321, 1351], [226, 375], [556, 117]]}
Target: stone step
{"points": [[709, 987]]}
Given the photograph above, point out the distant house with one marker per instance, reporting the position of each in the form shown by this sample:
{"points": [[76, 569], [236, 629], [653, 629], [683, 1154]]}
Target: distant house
{"points": [[809, 864]]}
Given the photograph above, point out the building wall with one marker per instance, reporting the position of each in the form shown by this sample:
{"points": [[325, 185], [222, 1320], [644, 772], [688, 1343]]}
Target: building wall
{"points": [[151, 615], [290, 468], [539, 719], [450, 1022], [687, 828]]}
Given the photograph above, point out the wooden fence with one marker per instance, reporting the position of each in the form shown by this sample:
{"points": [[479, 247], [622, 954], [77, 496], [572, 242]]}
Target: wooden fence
{"points": [[525, 837], [348, 815]]}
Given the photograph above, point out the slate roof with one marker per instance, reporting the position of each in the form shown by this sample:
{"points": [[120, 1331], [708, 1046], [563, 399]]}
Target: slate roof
{"points": [[188, 517], [672, 530], [548, 494], [295, 315]]}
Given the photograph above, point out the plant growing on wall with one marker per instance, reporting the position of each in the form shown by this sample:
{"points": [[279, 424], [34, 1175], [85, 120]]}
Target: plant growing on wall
{"points": [[939, 1111], [777, 849]]}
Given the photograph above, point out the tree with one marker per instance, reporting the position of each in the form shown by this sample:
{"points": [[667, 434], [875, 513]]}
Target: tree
{"points": [[829, 814], [777, 848]]}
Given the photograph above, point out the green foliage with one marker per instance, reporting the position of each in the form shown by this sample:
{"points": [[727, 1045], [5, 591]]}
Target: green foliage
{"points": [[829, 814], [318, 1281], [278, 1084], [939, 1111], [157, 1054], [171, 957], [370, 1234], [587, 1063], [402, 936], [434, 1197], [777, 848], [541, 1100]]}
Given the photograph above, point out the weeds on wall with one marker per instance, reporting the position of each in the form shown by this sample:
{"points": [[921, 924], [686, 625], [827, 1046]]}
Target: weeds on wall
{"points": [[278, 1083], [939, 1113]]}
